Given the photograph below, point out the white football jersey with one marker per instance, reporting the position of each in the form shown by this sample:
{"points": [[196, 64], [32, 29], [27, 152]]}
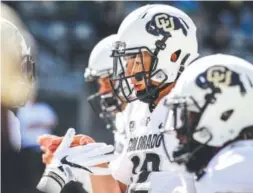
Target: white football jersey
{"points": [[231, 170], [121, 121], [119, 142], [143, 164]]}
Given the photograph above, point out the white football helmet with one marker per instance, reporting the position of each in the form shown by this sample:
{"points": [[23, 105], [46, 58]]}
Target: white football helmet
{"points": [[213, 99], [100, 67], [18, 68], [167, 34], [100, 62]]}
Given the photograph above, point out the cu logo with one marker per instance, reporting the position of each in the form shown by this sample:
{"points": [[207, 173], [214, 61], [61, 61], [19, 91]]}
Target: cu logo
{"points": [[163, 24], [219, 76], [163, 21]]}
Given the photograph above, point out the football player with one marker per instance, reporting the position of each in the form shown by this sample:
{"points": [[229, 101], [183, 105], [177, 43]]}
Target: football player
{"points": [[213, 101], [110, 109], [17, 80], [18, 69], [155, 43], [100, 70]]}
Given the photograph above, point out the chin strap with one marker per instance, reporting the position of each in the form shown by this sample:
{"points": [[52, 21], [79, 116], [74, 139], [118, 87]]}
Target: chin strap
{"points": [[182, 66], [153, 98]]}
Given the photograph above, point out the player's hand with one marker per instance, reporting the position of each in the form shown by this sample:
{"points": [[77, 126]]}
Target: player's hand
{"points": [[49, 143], [68, 159]]}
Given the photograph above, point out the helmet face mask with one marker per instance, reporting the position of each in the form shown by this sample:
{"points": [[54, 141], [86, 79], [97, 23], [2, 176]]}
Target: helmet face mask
{"points": [[28, 68], [108, 102], [104, 103], [192, 154], [122, 73]]}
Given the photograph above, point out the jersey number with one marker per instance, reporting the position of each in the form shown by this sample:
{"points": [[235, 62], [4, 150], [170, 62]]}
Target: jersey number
{"points": [[150, 163]]}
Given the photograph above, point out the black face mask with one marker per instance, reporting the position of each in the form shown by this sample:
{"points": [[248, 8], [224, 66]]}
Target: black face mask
{"points": [[120, 80], [195, 161], [28, 68], [104, 106], [110, 104], [194, 155]]}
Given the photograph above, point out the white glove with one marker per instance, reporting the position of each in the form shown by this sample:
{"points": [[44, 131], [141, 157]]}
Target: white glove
{"points": [[70, 160]]}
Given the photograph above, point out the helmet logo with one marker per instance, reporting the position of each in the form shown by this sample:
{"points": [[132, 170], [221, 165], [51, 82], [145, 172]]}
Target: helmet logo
{"points": [[217, 76], [163, 24]]}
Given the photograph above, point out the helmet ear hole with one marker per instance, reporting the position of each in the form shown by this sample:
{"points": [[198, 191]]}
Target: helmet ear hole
{"points": [[174, 56], [226, 115]]}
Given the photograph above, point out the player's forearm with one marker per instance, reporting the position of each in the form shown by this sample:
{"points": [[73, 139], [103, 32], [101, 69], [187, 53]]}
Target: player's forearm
{"points": [[104, 184]]}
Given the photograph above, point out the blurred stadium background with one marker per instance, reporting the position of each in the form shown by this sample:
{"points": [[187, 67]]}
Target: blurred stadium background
{"points": [[62, 34]]}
